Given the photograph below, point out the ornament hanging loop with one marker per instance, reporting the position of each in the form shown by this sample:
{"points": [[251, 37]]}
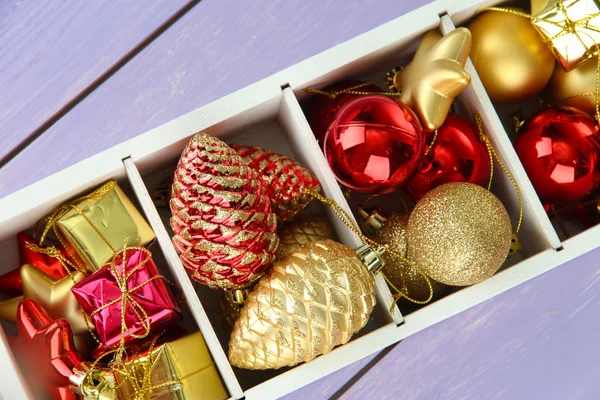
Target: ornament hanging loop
{"points": [[351, 90], [347, 220], [494, 155]]}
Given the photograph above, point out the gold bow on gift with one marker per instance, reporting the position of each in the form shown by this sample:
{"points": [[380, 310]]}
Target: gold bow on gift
{"points": [[121, 278], [571, 28]]}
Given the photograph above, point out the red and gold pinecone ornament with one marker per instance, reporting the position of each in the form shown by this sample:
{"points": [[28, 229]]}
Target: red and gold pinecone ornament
{"points": [[285, 180], [224, 229]]}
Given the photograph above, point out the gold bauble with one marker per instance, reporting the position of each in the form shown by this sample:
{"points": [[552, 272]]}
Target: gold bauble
{"points": [[311, 301], [459, 234], [302, 231], [402, 275], [435, 76], [510, 57], [576, 88]]}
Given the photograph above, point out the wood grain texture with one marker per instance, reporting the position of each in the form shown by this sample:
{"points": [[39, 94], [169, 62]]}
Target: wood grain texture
{"points": [[53, 50], [219, 46], [333, 384], [536, 341]]}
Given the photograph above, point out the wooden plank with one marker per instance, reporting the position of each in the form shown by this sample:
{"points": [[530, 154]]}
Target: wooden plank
{"points": [[53, 52], [536, 341], [217, 47], [333, 384]]}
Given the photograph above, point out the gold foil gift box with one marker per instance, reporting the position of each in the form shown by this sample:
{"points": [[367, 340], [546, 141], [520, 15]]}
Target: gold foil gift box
{"points": [[181, 369], [571, 28], [99, 224]]}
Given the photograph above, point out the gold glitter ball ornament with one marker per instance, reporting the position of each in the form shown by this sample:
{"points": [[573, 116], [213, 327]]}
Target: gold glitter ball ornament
{"points": [[459, 234], [302, 231], [402, 275], [311, 301]]}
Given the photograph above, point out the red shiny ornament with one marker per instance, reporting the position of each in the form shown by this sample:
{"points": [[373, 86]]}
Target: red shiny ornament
{"points": [[374, 145], [45, 351], [11, 281], [558, 148], [225, 231], [284, 179], [322, 108], [457, 155]]}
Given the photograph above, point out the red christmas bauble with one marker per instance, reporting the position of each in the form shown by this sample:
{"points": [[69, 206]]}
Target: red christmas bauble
{"points": [[457, 155], [284, 179], [375, 144], [225, 231], [322, 109], [558, 148]]}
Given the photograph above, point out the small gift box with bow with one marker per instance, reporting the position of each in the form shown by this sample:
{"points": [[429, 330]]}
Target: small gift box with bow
{"points": [[179, 369], [128, 297], [571, 28], [98, 224]]}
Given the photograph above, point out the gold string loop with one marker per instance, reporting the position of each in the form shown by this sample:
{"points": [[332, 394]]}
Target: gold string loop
{"points": [[347, 220], [494, 155], [351, 90]]}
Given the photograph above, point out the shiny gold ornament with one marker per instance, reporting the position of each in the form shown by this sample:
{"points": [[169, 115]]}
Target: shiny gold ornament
{"points": [[181, 369], [54, 296], [510, 57], [575, 88], [459, 234], [571, 28], [435, 76], [98, 224], [403, 276], [302, 231], [311, 301]]}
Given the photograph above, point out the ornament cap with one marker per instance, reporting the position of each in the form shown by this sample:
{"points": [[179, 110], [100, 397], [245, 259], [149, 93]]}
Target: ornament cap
{"points": [[371, 258], [237, 297], [372, 219], [91, 383]]}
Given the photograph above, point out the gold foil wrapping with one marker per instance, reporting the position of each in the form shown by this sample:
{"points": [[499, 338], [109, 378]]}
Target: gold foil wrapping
{"points": [[181, 369], [571, 28], [90, 224]]}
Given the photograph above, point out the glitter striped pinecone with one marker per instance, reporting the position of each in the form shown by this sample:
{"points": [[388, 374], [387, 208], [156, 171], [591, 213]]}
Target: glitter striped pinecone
{"points": [[285, 180], [221, 216], [308, 303]]}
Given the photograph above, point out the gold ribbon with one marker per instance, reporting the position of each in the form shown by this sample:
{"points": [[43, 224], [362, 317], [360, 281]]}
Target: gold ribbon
{"points": [[126, 298], [351, 90]]}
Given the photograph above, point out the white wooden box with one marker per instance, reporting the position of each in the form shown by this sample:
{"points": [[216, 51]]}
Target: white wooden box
{"points": [[268, 114]]}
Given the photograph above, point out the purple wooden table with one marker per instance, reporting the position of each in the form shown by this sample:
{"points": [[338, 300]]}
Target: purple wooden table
{"points": [[78, 77]]}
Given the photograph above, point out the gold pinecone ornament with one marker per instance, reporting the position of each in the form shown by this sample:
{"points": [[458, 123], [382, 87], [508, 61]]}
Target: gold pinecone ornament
{"points": [[301, 231], [308, 303]]}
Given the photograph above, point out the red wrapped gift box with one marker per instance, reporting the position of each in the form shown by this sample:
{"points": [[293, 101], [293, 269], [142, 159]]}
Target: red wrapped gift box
{"points": [[149, 302]]}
